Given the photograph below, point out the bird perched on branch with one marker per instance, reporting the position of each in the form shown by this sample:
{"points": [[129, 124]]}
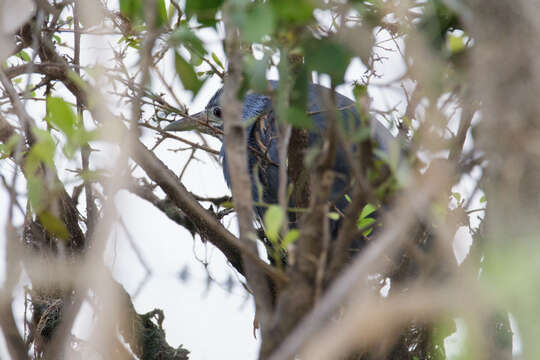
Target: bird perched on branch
{"points": [[262, 141]]}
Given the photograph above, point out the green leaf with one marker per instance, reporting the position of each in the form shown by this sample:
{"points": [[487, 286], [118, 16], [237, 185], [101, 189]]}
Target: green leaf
{"points": [[258, 22], [326, 56], [483, 199], [43, 150], [35, 193], [132, 9], [367, 210], [291, 237], [7, 148], [364, 223], [291, 13], [364, 220], [456, 196], [205, 10], [23, 55], [161, 13], [195, 60], [184, 36], [348, 198], [217, 61], [60, 114], [299, 118], [193, 6], [456, 44], [187, 74], [227, 205], [333, 216], [256, 72], [273, 219], [53, 225], [359, 91]]}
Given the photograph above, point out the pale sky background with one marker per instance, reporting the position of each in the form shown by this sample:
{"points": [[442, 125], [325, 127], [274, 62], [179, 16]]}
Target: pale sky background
{"points": [[211, 321]]}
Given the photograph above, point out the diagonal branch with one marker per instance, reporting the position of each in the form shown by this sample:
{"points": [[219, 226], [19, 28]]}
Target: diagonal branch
{"points": [[208, 226]]}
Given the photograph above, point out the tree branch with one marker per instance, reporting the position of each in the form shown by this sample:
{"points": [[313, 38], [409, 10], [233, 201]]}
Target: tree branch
{"points": [[235, 146], [371, 260]]}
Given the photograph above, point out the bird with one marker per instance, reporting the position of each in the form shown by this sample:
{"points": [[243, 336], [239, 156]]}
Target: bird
{"points": [[262, 144]]}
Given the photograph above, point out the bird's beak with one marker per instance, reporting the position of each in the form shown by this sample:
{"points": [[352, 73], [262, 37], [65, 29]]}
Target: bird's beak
{"points": [[191, 122]]}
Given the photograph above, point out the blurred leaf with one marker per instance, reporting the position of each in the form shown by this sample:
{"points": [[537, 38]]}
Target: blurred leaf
{"points": [[394, 155], [195, 60], [273, 219], [44, 148], [359, 91], [53, 225], [184, 36], [201, 5], [23, 55], [187, 74], [204, 10], [300, 89], [227, 205], [60, 115], [132, 9], [381, 155], [7, 147], [361, 134], [292, 13], [258, 22], [371, 11], [483, 199], [456, 44], [441, 330], [35, 192], [217, 61], [367, 210], [299, 118], [333, 216], [364, 220], [161, 13], [93, 175], [256, 73], [364, 223], [328, 57], [291, 237], [456, 196], [436, 21]]}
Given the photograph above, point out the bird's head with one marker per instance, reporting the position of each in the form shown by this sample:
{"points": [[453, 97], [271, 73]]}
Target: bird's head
{"points": [[210, 120]]}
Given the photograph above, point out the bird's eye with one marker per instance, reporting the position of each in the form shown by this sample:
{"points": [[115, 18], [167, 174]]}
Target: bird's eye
{"points": [[217, 112]]}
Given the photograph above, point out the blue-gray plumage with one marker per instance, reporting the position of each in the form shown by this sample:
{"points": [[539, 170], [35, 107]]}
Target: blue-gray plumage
{"points": [[262, 142]]}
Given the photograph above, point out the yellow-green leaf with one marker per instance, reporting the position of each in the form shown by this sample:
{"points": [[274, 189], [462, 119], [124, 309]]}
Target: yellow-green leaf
{"points": [[273, 219], [53, 225], [60, 115], [291, 237]]}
